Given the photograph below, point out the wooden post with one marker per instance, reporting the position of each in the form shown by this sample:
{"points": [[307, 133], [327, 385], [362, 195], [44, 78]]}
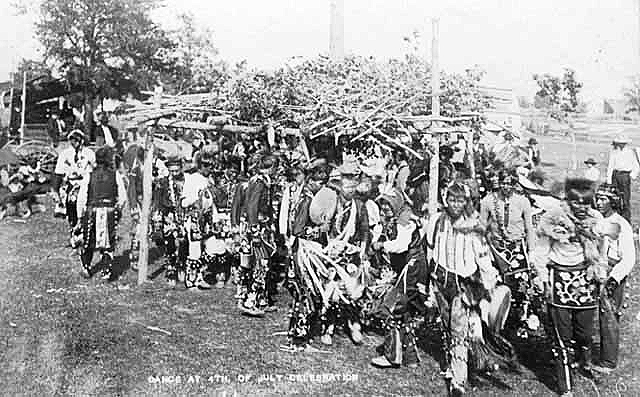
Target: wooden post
{"points": [[434, 165], [147, 190], [336, 30], [24, 106], [145, 211], [470, 154]]}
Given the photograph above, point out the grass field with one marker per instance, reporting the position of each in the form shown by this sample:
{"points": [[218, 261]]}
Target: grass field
{"points": [[62, 335]]}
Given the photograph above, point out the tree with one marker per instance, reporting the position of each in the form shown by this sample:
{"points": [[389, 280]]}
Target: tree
{"points": [[196, 65], [107, 47], [559, 96], [34, 69], [632, 94]]}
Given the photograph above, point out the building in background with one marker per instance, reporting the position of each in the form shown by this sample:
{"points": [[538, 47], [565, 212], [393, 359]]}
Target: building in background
{"points": [[506, 110]]}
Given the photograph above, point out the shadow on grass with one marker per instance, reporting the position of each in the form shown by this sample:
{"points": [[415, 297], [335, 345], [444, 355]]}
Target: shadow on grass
{"points": [[97, 358], [534, 353], [122, 263]]}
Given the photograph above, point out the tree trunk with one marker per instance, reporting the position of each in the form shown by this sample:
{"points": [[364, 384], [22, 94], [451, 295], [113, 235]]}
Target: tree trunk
{"points": [[88, 115]]}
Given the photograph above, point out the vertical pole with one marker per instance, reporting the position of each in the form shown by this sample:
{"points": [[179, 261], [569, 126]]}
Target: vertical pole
{"points": [[145, 211], [336, 30], [147, 190], [11, 96], [470, 154], [434, 165], [24, 106]]}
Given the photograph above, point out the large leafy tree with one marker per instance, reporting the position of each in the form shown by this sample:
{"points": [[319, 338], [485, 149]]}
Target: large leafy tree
{"points": [[632, 95], [197, 67], [107, 47], [558, 95]]}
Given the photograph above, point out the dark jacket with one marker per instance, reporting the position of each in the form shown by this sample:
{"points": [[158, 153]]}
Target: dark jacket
{"points": [[258, 200]]}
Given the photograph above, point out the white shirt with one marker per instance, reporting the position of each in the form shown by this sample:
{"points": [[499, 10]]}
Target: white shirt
{"points": [[624, 159], [622, 249], [373, 213], [67, 165], [193, 185], [458, 155], [401, 243], [592, 174], [108, 138]]}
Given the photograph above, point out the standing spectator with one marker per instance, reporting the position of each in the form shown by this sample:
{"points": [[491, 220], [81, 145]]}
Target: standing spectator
{"points": [[533, 152], [592, 173], [459, 153], [107, 135], [620, 253], [623, 167], [55, 128]]}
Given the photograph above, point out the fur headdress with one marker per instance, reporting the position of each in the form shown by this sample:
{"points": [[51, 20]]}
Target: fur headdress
{"points": [[580, 189]]}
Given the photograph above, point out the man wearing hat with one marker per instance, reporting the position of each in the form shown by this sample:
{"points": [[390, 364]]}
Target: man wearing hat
{"points": [[592, 172], [167, 195], [338, 209], [401, 249], [55, 128], [570, 265], [101, 197], [104, 133], [623, 167], [73, 164], [533, 153], [620, 252]]}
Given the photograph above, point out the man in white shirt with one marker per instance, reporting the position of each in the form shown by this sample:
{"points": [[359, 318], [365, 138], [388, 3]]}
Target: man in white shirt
{"points": [[592, 173], [621, 256], [623, 167], [74, 163]]}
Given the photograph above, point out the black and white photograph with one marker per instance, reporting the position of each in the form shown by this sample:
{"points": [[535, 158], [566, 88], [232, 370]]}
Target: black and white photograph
{"points": [[350, 198]]}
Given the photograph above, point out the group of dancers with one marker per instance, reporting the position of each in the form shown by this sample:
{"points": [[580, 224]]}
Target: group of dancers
{"points": [[352, 244]]}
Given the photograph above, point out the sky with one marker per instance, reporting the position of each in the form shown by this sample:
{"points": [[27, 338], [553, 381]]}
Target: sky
{"points": [[510, 40]]}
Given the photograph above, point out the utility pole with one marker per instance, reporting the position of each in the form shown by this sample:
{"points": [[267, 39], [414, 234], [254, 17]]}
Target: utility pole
{"points": [[24, 106], [638, 33], [336, 30], [434, 165]]}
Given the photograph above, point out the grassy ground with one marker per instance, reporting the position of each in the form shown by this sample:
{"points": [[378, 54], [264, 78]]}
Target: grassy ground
{"points": [[62, 335]]}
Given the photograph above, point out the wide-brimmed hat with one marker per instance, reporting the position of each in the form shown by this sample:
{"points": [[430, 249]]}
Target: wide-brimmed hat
{"points": [[174, 160], [76, 134], [621, 138], [533, 141], [590, 160], [316, 163]]}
